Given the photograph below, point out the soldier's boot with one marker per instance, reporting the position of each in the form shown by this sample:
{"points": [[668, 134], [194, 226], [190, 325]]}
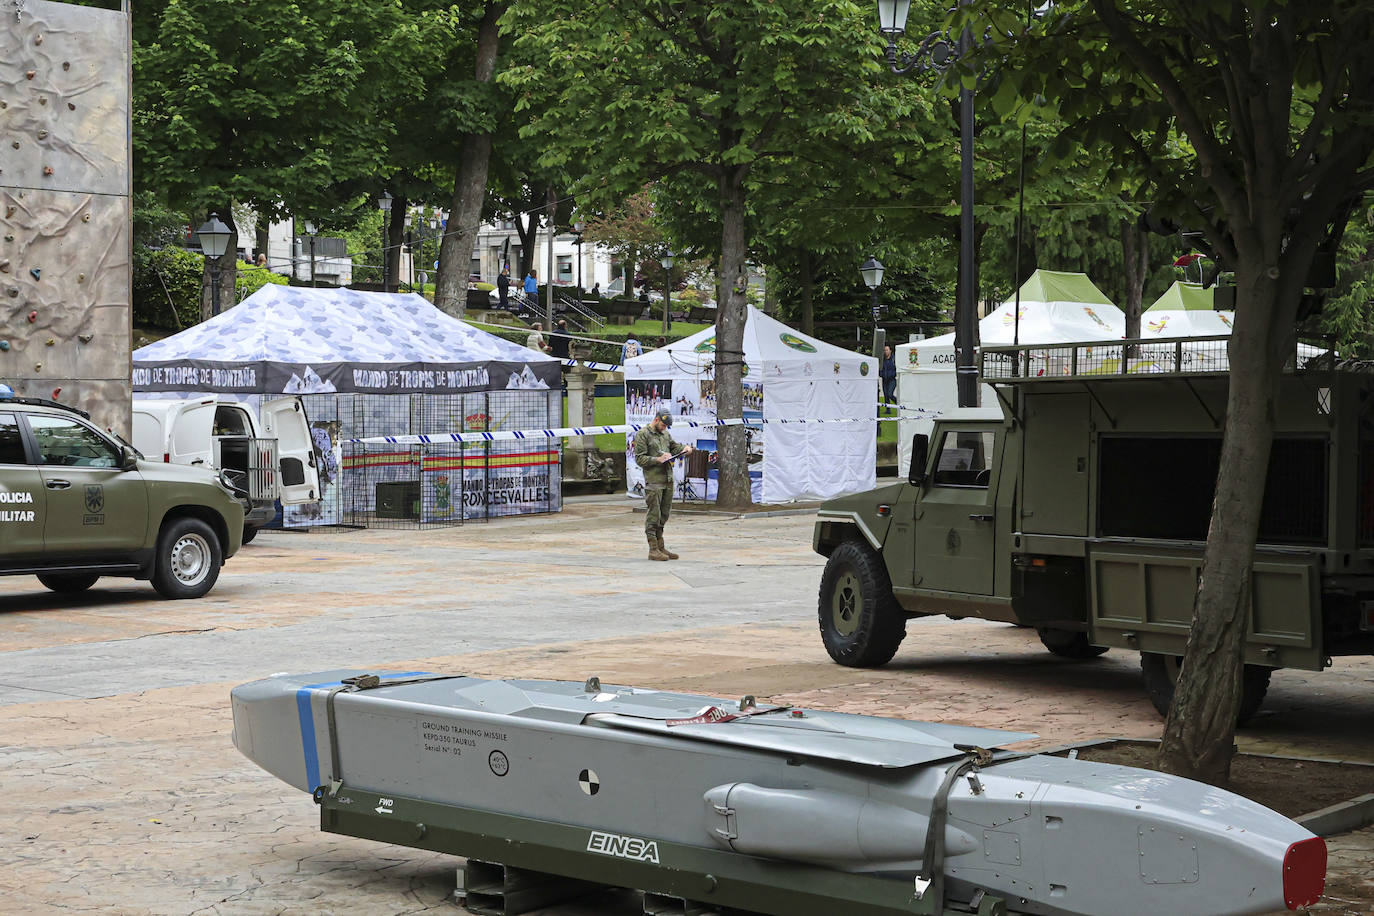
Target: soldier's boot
{"points": [[655, 552], [665, 550]]}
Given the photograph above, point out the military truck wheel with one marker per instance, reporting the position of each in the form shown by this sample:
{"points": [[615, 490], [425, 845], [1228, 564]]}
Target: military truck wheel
{"points": [[1068, 643], [1160, 673], [249, 532], [69, 583], [861, 623], [188, 559]]}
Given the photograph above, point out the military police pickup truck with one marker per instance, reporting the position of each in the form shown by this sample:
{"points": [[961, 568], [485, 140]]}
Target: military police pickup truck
{"points": [[1079, 502], [75, 505]]}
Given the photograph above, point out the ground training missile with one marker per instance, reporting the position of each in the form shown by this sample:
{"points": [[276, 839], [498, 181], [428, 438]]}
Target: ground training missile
{"points": [[774, 809]]}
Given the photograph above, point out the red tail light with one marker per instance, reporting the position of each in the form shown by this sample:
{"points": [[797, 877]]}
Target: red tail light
{"points": [[1304, 872], [166, 457]]}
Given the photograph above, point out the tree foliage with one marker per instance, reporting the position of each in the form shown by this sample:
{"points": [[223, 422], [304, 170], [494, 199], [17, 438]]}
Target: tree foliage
{"points": [[1254, 122]]}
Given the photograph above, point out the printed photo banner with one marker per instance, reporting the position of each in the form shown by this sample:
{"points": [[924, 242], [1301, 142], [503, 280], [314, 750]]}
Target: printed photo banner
{"points": [[200, 375], [568, 432]]}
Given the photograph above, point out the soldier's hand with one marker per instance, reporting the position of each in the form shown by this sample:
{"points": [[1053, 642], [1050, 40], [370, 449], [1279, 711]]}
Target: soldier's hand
{"points": [[688, 449], [664, 457]]}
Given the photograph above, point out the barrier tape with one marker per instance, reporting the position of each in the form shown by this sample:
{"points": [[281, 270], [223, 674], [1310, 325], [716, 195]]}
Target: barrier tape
{"points": [[569, 432]]}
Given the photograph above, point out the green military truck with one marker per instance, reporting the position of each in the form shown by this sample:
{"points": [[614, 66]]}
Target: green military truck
{"points": [[1079, 502], [76, 504]]}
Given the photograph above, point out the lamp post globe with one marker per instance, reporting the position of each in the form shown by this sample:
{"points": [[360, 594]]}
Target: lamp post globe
{"points": [[667, 262], [384, 204], [214, 241], [892, 17], [872, 272]]}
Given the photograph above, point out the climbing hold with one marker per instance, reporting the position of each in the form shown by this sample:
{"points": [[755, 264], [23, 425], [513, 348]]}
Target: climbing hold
{"points": [[55, 393], [4, 267], [9, 211], [36, 273], [12, 291], [4, 346], [85, 217], [15, 144], [9, 238], [42, 100], [49, 342], [85, 338], [71, 107], [33, 316], [66, 65], [47, 170], [30, 74], [42, 135], [38, 39], [80, 278], [37, 367]]}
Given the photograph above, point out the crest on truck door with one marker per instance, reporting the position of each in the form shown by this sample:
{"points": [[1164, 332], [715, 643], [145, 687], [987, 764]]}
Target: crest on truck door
{"points": [[95, 499]]}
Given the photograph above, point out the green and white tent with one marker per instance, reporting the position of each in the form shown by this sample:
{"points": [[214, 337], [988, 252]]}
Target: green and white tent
{"points": [[1185, 310]]}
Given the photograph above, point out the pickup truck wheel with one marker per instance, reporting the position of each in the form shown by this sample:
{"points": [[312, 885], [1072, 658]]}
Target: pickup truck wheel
{"points": [[249, 532], [188, 559], [1160, 673], [861, 622], [67, 583], [1068, 643]]}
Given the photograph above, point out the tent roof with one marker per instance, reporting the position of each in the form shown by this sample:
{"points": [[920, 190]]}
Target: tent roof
{"points": [[302, 325], [765, 340], [285, 339], [1184, 297], [1078, 311]]}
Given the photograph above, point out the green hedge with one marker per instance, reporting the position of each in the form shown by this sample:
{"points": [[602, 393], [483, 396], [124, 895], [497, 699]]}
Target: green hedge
{"points": [[166, 287]]}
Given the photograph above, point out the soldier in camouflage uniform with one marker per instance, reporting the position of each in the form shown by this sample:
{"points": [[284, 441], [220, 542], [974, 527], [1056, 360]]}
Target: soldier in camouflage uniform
{"points": [[654, 452]]}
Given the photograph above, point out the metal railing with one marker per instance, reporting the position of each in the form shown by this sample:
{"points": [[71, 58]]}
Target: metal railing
{"points": [[1120, 358], [256, 458], [585, 317]]}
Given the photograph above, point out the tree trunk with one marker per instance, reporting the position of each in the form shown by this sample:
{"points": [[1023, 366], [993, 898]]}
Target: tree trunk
{"points": [[470, 184], [395, 240], [261, 237], [1199, 731], [731, 315], [525, 224], [228, 270], [1135, 257], [551, 216], [808, 305]]}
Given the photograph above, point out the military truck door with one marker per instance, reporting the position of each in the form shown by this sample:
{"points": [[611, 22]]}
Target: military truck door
{"points": [[94, 506], [22, 498], [955, 515], [284, 420]]}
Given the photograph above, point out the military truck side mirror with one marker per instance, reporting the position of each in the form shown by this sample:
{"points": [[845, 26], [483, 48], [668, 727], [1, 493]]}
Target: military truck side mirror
{"points": [[916, 474], [128, 459]]}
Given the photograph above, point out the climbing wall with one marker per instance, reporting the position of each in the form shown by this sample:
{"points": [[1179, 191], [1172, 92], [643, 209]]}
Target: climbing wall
{"points": [[64, 206]]}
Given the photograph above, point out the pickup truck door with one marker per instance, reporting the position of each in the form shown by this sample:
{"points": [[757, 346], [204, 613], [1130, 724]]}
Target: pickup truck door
{"points": [[284, 420], [955, 515], [22, 498], [94, 507]]}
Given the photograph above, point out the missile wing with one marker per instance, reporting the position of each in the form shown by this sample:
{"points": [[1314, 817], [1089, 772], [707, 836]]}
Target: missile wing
{"points": [[772, 809]]}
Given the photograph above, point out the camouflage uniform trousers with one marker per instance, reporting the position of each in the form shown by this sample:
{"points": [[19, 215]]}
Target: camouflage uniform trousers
{"points": [[658, 501]]}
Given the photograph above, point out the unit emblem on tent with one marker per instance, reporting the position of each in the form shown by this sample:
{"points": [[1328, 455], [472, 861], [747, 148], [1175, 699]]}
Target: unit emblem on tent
{"points": [[1157, 326], [1093, 315], [707, 345], [913, 357], [796, 343], [863, 368], [835, 367], [1008, 319]]}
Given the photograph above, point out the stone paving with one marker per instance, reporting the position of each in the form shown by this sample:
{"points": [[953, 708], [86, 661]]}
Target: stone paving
{"points": [[124, 794]]}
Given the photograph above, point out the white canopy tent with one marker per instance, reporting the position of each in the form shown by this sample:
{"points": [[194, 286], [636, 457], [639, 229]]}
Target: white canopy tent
{"points": [[1056, 307], [788, 376]]}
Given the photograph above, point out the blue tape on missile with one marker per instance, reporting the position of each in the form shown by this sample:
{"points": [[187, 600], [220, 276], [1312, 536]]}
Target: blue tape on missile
{"points": [[305, 713]]}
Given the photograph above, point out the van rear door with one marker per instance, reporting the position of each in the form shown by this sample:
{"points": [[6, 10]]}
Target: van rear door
{"points": [[189, 439], [284, 420]]}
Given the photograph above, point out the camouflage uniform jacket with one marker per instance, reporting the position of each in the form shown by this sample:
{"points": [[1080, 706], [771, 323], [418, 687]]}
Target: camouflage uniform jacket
{"points": [[648, 446]]}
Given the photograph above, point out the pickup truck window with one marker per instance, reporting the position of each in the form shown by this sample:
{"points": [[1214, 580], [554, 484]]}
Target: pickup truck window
{"points": [[69, 444], [963, 459], [11, 446]]}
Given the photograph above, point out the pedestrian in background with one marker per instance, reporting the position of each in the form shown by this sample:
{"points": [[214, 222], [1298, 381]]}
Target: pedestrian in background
{"points": [[888, 373], [536, 339], [532, 287], [654, 452], [503, 288], [560, 342]]}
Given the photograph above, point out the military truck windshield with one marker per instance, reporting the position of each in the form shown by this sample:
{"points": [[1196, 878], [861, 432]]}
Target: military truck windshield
{"points": [[11, 446], [963, 459], [68, 443]]}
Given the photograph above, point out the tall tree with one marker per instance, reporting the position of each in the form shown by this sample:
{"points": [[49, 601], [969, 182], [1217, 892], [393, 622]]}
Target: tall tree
{"points": [[693, 86], [1254, 122], [271, 108]]}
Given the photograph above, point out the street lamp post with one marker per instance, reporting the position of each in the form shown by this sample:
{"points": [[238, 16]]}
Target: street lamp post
{"points": [[310, 232], [935, 53], [384, 204], [872, 272], [214, 239], [667, 262], [578, 228]]}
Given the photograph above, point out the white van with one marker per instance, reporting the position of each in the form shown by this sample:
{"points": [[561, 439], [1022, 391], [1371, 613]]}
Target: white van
{"points": [[273, 457]]}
